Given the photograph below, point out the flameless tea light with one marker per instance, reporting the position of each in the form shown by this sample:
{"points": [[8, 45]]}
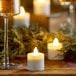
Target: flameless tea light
{"points": [[53, 50], [35, 61], [41, 7], [22, 19]]}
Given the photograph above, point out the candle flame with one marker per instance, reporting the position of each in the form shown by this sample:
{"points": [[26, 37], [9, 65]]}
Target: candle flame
{"points": [[56, 42], [35, 51], [22, 11]]}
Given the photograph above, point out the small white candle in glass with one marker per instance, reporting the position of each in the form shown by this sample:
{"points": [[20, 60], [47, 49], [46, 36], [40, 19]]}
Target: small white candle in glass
{"points": [[53, 53], [35, 61], [22, 19], [41, 7]]}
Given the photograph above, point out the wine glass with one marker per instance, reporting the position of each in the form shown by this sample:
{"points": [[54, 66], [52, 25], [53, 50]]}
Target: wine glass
{"points": [[8, 8]]}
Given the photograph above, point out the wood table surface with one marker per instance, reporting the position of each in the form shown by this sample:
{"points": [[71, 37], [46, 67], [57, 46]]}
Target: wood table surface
{"points": [[52, 68]]}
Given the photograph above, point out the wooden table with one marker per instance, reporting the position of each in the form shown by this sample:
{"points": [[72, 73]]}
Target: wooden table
{"points": [[52, 68]]}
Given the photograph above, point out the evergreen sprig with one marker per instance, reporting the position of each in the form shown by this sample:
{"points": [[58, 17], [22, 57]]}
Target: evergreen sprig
{"points": [[23, 40]]}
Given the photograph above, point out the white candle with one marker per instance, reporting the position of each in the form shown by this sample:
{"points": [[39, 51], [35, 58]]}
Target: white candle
{"points": [[35, 61], [22, 19], [53, 53], [41, 7]]}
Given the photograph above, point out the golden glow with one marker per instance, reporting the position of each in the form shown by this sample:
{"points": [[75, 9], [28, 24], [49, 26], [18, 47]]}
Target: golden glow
{"points": [[56, 42], [35, 52], [22, 11], [41, 1], [62, 0], [56, 45]]}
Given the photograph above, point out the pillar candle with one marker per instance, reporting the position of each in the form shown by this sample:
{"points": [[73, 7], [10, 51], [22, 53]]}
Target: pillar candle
{"points": [[41, 7], [22, 19], [35, 61]]}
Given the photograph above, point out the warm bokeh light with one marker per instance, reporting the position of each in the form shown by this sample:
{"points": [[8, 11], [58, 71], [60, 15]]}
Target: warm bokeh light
{"points": [[71, 7], [41, 1], [61, 0], [64, 2]]}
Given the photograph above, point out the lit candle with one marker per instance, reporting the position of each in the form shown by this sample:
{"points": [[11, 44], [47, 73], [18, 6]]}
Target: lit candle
{"points": [[35, 61], [53, 53], [41, 7], [22, 19]]}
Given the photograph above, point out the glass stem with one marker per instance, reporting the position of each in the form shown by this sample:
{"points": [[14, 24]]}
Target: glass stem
{"points": [[6, 56]]}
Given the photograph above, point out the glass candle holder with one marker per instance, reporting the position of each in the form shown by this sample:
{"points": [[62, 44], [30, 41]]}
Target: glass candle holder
{"points": [[8, 8]]}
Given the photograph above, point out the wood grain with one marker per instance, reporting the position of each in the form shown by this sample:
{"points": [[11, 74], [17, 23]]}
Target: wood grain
{"points": [[52, 68]]}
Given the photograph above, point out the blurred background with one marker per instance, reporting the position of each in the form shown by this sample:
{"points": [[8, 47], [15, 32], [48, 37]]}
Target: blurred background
{"points": [[55, 5], [58, 14]]}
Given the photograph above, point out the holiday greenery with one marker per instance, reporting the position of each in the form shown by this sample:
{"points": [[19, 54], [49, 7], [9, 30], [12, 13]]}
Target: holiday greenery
{"points": [[23, 40]]}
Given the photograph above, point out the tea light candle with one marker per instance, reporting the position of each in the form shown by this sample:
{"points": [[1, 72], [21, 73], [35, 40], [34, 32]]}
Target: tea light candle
{"points": [[22, 19], [41, 7], [35, 61], [53, 50]]}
